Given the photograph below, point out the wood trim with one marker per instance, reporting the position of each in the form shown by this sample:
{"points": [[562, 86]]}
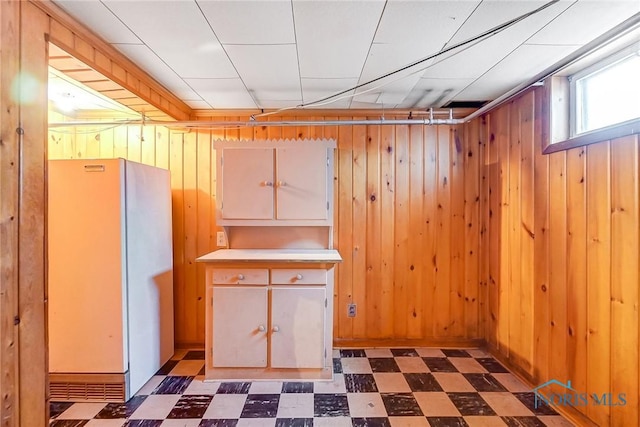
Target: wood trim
{"points": [[458, 113], [631, 127], [32, 222], [441, 342], [9, 216], [88, 47]]}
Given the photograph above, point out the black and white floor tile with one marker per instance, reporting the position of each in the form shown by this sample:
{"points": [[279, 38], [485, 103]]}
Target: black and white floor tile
{"points": [[371, 388]]}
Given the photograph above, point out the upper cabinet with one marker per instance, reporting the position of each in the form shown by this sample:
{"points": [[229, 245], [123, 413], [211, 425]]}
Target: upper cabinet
{"points": [[275, 182]]}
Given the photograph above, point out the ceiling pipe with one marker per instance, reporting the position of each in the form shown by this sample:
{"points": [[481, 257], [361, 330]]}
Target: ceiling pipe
{"points": [[613, 34], [254, 123]]}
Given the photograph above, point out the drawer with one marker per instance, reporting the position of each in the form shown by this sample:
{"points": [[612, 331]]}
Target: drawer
{"points": [[301, 276], [244, 276]]}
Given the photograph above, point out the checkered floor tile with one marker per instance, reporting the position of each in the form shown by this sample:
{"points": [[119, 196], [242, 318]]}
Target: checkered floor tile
{"points": [[371, 387]]}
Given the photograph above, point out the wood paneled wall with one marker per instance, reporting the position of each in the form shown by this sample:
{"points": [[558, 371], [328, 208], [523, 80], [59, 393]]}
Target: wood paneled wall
{"points": [[406, 221], [560, 257], [23, 122]]}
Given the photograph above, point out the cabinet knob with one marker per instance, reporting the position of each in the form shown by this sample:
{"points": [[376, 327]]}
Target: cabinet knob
{"points": [[276, 329], [240, 276], [299, 276], [282, 183], [261, 328], [268, 183]]}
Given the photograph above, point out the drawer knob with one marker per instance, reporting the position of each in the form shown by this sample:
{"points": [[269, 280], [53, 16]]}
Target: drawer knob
{"points": [[276, 329], [267, 184], [282, 183], [299, 276], [240, 276], [261, 328]]}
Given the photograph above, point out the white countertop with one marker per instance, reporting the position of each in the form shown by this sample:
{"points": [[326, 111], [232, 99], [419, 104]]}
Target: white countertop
{"points": [[272, 255]]}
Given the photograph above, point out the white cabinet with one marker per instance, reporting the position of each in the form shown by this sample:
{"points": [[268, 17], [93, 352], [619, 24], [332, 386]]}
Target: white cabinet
{"points": [[272, 329], [239, 326], [274, 184], [297, 327]]}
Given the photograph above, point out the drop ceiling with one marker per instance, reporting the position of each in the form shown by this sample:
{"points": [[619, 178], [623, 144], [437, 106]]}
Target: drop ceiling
{"points": [[272, 54]]}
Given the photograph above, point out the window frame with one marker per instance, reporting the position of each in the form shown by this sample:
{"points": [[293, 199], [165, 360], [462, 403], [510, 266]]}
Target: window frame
{"points": [[561, 94]]}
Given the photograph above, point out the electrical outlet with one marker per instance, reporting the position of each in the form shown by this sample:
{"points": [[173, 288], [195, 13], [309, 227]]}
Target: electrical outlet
{"points": [[221, 238], [351, 310]]}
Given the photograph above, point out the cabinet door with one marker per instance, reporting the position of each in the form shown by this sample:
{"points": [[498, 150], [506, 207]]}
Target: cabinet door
{"points": [[302, 182], [297, 327], [247, 183], [239, 327]]}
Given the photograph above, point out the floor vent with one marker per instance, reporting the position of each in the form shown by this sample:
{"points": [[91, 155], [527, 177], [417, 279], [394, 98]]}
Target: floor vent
{"points": [[62, 391]]}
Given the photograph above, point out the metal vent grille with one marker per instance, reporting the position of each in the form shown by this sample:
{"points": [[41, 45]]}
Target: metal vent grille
{"points": [[87, 392]]}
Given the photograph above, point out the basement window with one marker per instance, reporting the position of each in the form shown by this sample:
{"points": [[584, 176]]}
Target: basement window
{"points": [[597, 102], [606, 94]]}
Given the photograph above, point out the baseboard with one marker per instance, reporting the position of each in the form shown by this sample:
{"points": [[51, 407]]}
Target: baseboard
{"points": [[193, 345], [441, 342], [573, 415]]}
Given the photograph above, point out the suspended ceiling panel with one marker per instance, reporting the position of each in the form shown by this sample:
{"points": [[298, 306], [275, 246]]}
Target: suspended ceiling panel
{"points": [[263, 22], [269, 54]]}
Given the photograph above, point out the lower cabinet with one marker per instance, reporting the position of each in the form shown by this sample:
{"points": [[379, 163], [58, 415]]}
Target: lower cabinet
{"points": [[267, 327], [297, 327], [239, 327]]}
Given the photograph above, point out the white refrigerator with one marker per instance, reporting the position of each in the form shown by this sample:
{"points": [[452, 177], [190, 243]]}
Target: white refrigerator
{"points": [[110, 277]]}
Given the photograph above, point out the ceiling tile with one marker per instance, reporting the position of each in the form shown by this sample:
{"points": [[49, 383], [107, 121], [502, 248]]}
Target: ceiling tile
{"points": [[316, 89], [152, 64], [434, 93], [250, 22], [334, 37], [493, 13], [524, 63], [179, 34], [601, 16], [425, 25], [222, 93], [95, 16], [270, 68], [475, 59]]}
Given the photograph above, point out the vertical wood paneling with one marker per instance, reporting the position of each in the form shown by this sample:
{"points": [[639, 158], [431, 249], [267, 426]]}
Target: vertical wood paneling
{"points": [[359, 230], [598, 276], [177, 217], [374, 301], [472, 229], [387, 199], [404, 200], [540, 188], [429, 226], [513, 259], [205, 240], [570, 305], [343, 325], [625, 247], [457, 236], [443, 234], [576, 269], [558, 266], [527, 227], [190, 224], [416, 259], [9, 207], [33, 402], [503, 286], [401, 294]]}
